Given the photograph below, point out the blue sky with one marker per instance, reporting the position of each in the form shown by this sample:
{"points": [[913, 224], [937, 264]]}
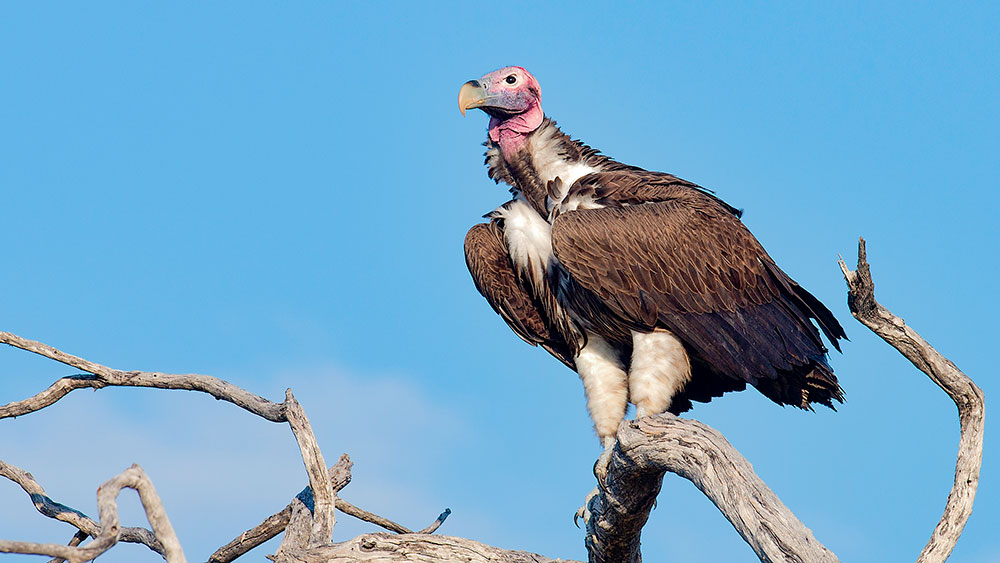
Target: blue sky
{"points": [[277, 195]]}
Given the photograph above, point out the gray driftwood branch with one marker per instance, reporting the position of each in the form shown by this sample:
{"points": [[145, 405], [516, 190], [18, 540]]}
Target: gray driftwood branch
{"points": [[84, 524], [99, 376], [109, 532], [651, 446], [968, 397]]}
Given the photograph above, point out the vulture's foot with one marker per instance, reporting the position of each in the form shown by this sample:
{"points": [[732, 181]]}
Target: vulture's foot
{"points": [[601, 466], [601, 472]]}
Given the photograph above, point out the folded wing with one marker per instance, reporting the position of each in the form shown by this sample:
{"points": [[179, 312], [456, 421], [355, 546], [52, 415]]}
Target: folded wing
{"points": [[489, 263], [686, 263]]}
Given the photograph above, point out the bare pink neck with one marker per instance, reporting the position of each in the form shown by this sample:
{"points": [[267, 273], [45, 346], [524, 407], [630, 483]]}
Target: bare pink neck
{"points": [[511, 133]]}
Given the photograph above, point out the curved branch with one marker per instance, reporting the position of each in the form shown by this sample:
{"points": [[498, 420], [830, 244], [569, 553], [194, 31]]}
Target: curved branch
{"points": [[110, 527], [967, 395], [437, 523], [649, 447], [71, 516], [105, 376]]}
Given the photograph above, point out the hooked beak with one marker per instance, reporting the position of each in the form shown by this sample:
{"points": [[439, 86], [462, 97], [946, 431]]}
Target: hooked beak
{"points": [[472, 95]]}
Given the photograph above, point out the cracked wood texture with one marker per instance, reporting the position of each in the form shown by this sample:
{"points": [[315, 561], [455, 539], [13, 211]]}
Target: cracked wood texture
{"points": [[968, 397], [420, 548]]}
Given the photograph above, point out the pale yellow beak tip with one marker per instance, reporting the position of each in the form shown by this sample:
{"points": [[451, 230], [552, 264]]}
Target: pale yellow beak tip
{"points": [[471, 95]]}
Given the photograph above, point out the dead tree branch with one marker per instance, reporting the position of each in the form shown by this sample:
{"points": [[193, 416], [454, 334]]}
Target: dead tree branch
{"points": [[110, 527], [308, 520], [651, 446], [52, 509], [340, 476], [323, 496], [104, 376], [967, 395]]}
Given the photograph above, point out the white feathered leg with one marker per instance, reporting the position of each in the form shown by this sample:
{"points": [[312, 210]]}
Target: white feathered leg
{"points": [[606, 386], [605, 383], [660, 368]]}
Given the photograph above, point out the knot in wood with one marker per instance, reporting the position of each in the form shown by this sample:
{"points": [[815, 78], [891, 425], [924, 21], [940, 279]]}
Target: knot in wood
{"points": [[368, 543]]}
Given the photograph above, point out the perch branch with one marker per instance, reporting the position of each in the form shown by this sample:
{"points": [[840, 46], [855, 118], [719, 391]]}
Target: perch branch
{"points": [[967, 395], [651, 446], [110, 527]]}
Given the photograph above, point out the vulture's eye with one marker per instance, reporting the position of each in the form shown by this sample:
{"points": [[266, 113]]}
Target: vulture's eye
{"points": [[511, 79]]}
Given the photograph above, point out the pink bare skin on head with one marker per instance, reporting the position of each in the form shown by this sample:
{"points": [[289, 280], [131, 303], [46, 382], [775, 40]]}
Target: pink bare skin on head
{"points": [[518, 110]]}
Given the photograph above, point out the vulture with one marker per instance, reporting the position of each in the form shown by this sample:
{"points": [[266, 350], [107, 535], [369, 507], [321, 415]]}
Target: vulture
{"points": [[648, 286]]}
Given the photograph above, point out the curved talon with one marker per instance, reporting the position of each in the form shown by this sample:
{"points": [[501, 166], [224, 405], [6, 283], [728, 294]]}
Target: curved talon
{"points": [[584, 511]]}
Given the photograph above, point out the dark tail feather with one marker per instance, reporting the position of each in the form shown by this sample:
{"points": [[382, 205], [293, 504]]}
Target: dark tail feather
{"points": [[810, 305]]}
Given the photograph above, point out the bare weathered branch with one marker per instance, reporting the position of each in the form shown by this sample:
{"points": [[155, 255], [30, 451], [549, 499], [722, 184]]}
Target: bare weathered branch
{"points": [[135, 478], [71, 516], [967, 395], [651, 446], [56, 391], [364, 515], [105, 377], [340, 476], [323, 518], [110, 527]]}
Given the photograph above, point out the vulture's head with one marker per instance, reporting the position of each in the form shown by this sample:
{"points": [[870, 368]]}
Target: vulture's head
{"points": [[512, 98]]}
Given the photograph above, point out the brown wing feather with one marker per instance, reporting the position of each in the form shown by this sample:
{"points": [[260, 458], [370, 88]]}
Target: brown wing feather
{"points": [[489, 263], [686, 263]]}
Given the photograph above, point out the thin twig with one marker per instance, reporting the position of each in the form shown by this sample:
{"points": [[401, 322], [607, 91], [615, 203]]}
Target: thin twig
{"points": [[437, 523], [76, 540], [362, 514]]}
